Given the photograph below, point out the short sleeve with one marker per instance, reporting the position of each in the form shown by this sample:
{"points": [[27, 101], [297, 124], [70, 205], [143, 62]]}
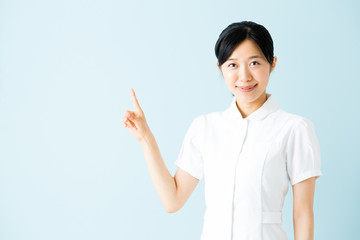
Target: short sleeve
{"points": [[190, 158], [303, 152]]}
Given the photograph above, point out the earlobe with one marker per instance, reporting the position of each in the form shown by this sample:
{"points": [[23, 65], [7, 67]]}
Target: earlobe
{"points": [[274, 61], [273, 64]]}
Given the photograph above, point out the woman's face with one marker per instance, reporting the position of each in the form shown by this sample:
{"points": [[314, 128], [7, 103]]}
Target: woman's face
{"points": [[246, 72]]}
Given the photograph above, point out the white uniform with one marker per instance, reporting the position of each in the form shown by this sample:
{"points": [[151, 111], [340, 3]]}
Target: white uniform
{"points": [[247, 165]]}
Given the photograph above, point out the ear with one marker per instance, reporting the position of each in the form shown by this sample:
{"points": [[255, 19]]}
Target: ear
{"points": [[217, 63], [273, 64]]}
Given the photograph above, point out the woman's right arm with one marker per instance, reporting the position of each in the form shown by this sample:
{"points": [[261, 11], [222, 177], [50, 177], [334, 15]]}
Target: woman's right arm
{"points": [[173, 191]]}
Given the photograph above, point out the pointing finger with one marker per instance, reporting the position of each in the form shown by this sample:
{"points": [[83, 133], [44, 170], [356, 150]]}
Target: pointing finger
{"points": [[135, 101]]}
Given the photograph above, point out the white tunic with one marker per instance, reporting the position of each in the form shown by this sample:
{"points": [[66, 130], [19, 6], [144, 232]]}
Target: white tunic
{"points": [[247, 165]]}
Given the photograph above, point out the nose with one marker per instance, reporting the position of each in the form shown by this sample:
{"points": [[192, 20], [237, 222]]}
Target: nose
{"points": [[244, 74]]}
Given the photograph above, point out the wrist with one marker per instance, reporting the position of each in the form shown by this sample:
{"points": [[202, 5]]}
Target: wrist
{"points": [[147, 138]]}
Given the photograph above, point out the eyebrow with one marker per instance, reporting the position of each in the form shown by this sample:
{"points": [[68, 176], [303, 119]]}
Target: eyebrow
{"points": [[255, 56]]}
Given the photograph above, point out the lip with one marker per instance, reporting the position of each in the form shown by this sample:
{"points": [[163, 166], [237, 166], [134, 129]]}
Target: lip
{"points": [[246, 88]]}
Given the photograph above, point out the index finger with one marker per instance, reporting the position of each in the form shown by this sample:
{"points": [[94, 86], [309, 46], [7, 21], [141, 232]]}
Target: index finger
{"points": [[135, 101]]}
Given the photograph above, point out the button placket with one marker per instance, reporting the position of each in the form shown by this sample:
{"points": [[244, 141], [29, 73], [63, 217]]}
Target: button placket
{"points": [[243, 124]]}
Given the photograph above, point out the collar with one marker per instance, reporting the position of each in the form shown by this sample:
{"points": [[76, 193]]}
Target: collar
{"points": [[269, 106]]}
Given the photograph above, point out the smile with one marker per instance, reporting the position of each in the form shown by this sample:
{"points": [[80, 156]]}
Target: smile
{"points": [[246, 88]]}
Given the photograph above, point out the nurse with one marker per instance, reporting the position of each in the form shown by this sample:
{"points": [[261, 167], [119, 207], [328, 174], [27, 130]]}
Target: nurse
{"points": [[247, 154]]}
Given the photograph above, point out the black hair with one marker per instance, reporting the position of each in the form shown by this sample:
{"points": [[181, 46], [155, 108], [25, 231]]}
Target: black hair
{"points": [[237, 32]]}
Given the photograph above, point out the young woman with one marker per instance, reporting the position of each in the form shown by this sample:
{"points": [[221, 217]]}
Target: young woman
{"points": [[247, 154]]}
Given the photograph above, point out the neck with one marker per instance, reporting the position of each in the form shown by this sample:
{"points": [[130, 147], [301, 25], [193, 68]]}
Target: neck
{"points": [[247, 108]]}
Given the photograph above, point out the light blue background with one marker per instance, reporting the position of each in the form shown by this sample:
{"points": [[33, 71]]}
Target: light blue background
{"points": [[70, 170]]}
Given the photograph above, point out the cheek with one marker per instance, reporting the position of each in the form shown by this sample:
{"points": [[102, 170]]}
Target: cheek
{"points": [[229, 76], [262, 75]]}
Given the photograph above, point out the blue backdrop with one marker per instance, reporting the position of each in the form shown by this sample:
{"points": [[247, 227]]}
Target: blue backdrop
{"points": [[70, 170]]}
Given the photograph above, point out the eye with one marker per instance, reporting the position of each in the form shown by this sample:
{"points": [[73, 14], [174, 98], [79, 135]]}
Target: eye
{"points": [[255, 62], [231, 64]]}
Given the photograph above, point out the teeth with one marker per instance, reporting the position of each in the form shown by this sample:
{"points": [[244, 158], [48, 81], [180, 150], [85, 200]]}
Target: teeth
{"points": [[247, 87]]}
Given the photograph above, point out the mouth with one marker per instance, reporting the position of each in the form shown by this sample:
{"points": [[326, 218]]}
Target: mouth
{"points": [[246, 88]]}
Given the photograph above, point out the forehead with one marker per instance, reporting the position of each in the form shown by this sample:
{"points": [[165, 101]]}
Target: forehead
{"points": [[245, 50]]}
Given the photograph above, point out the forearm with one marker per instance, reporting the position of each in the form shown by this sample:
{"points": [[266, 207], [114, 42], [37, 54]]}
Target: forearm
{"points": [[164, 182], [304, 226]]}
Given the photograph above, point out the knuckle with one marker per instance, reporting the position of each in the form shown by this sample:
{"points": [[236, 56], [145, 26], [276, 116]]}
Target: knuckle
{"points": [[127, 113]]}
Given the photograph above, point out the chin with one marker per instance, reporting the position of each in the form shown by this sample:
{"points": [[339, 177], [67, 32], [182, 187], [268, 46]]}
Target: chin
{"points": [[248, 98]]}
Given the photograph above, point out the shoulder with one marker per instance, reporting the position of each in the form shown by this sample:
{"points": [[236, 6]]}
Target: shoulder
{"points": [[197, 123], [204, 125], [292, 120], [207, 119], [298, 130]]}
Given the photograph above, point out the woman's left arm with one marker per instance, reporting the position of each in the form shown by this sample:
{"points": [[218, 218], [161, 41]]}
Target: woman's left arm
{"points": [[303, 215]]}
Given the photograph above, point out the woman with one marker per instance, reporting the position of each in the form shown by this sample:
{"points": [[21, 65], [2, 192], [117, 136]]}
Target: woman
{"points": [[247, 154]]}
